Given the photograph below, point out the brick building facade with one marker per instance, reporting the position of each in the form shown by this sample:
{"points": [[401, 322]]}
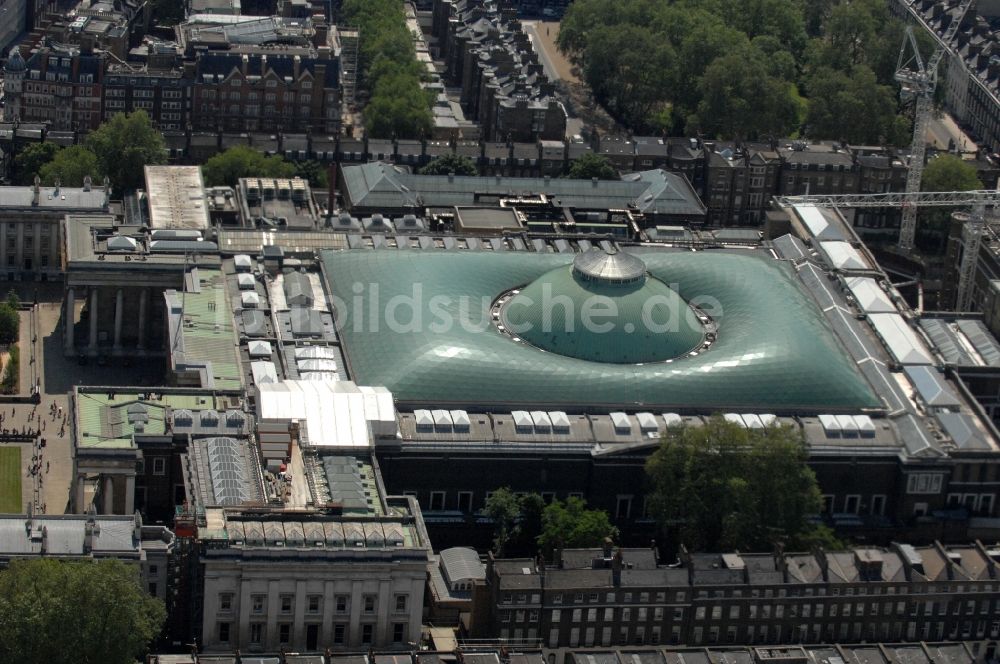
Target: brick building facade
{"points": [[591, 597]]}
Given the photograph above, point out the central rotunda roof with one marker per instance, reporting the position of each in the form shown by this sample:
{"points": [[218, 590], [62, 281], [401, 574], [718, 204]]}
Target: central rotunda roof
{"points": [[604, 308]]}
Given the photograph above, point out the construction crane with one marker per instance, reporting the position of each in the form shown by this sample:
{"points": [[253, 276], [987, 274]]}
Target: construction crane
{"points": [[919, 82], [972, 229], [896, 199]]}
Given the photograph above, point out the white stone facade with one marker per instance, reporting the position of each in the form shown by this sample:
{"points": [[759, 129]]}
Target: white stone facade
{"points": [[312, 599]]}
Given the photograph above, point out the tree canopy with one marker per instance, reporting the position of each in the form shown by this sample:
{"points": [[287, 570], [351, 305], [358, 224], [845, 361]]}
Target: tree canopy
{"points": [[30, 160], [314, 172], [853, 107], [398, 106], [721, 486], [70, 166], [504, 508], [168, 12], [124, 144], [524, 524], [57, 612], [10, 323], [570, 525], [590, 166], [449, 163], [944, 172], [242, 161], [736, 68]]}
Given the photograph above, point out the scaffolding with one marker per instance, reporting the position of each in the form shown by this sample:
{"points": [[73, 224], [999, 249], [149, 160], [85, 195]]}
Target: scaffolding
{"points": [[349, 66]]}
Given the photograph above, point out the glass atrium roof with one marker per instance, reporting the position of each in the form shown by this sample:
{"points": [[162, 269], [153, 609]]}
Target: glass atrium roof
{"points": [[420, 324]]}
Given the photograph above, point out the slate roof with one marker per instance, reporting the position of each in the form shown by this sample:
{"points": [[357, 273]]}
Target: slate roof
{"points": [[382, 186]]}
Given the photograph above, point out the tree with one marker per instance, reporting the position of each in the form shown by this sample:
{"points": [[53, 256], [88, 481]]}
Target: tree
{"points": [[168, 12], [853, 107], [504, 508], [314, 172], [741, 100], [945, 172], [399, 107], [590, 166], [242, 161], [630, 71], [776, 18], [30, 160], [70, 166], [720, 487], [450, 163], [707, 40], [56, 612], [13, 301], [734, 68], [124, 145], [571, 525], [10, 323]]}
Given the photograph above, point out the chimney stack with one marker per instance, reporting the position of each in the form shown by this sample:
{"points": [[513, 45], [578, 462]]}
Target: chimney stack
{"points": [[616, 569], [321, 31], [331, 193], [36, 191]]}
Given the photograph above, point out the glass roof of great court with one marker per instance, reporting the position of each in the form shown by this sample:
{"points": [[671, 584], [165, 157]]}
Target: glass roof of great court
{"points": [[426, 325]]}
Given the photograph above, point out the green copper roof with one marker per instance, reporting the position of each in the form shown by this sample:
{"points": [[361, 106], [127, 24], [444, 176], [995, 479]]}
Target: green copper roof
{"points": [[103, 420], [774, 349], [641, 321]]}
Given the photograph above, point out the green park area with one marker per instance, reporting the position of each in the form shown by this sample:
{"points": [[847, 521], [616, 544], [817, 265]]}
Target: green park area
{"points": [[10, 480]]}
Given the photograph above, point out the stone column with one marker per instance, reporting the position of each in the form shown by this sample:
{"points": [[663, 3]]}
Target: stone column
{"points": [[36, 260], [69, 317], [326, 627], [93, 319], [298, 622], [81, 485], [129, 494], [143, 304], [119, 306], [108, 494]]}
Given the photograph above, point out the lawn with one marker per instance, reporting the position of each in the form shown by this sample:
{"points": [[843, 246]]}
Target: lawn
{"points": [[10, 480]]}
